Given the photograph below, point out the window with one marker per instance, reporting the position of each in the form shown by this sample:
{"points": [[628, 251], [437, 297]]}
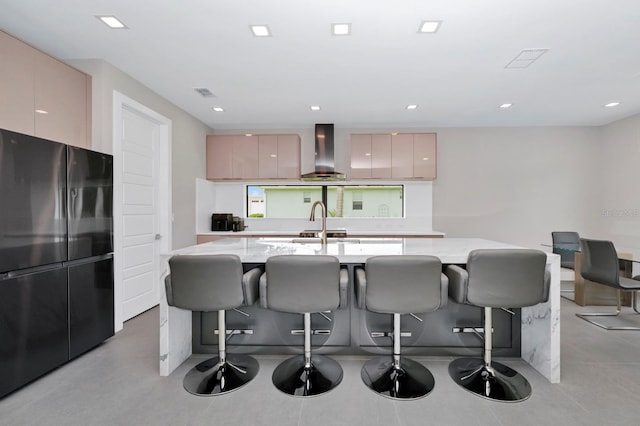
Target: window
{"points": [[342, 201]]}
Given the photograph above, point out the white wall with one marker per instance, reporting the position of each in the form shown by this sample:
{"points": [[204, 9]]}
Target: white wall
{"points": [[619, 166], [188, 138], [516, 185]]}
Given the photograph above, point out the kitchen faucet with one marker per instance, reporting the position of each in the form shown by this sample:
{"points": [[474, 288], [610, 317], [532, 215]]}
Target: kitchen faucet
{"points": [[323, 233]]}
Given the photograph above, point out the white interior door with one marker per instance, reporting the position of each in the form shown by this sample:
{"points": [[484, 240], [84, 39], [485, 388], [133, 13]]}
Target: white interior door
{"points": [[140, 217]]}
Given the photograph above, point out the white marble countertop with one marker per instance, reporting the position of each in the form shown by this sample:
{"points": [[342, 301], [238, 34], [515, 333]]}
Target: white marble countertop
{"points": [[347, 250], [381, 232]]}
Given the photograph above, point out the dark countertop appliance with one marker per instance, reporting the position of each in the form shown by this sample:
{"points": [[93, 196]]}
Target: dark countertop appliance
{"points": [[222, 222]]}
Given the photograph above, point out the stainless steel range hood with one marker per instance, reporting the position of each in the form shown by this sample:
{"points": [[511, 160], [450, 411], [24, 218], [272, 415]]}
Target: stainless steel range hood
{"points": [[324, 156]]}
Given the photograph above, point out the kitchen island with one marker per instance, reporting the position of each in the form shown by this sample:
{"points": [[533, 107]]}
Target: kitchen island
{"points": [[539, 331]]}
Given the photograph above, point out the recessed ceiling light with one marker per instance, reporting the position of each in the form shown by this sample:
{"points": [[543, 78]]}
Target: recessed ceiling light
{"points": [[218, 109], [611, 104], [412, 106], [248, 134], [504, 106], [315, 107], [340, 29], [260, 30], [112, 22], [429, 26]]}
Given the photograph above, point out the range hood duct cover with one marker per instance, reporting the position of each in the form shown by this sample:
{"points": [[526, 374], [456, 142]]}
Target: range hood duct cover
{"points": [[324, 155]]}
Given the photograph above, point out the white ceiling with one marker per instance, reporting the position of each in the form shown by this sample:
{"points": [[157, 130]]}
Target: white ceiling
{"points": [[456, 76]]}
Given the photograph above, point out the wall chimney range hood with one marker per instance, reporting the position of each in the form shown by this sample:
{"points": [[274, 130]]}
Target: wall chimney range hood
{"points": [[324, 156]]}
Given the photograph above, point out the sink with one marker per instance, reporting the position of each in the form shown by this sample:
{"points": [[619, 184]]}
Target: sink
{"points": [[308, 240], [314, 233]]}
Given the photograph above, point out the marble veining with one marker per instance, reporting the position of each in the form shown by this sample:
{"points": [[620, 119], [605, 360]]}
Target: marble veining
{"points": [[540, 323]]}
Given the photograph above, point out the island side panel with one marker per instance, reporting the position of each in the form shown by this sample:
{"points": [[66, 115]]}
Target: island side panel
{"points": [[541, 328]]}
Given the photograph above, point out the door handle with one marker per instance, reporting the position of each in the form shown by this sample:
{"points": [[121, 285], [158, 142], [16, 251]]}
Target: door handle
{"points": [[158, 237]]}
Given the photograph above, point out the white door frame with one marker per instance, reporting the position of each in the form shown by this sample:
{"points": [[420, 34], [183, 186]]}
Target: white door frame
{"points": [[163, 207]]}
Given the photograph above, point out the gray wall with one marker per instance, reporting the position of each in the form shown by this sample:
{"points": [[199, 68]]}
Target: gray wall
{"points": [[188, 138]]}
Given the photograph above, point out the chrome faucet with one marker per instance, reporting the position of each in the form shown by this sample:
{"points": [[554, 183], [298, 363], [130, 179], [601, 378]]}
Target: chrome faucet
{"points": [[323, 233]]}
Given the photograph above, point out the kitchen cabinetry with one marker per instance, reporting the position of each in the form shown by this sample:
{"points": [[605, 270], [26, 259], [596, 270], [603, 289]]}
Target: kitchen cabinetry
{"points": [[253, 157], [62, 93], [232, 157], [400, 156], [17, 61], [41, 96], [371, 156], [279, 157]]}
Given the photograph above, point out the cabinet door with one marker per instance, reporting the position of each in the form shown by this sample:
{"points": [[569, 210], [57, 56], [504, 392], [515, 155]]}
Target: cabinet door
{"points": [[61, 92], [219, 156], [17, 61], [288, 156], [380, 156], [424, 155], [361, 156], [245, 157], [402, 156], [268, 156]]}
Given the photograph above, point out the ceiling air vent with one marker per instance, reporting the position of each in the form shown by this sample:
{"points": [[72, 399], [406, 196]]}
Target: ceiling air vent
{"points": [[204, 92], [526, 57]]}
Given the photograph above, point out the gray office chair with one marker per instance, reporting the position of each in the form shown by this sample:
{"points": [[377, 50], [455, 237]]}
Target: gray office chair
{"points": [[214, 283], [601, 265], [496, 278], [305, 285], [400, 285], [566, 244]]}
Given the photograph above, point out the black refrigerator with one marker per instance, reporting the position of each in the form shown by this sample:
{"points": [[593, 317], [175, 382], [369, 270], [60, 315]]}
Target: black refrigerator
{"points": [[56, 255]]}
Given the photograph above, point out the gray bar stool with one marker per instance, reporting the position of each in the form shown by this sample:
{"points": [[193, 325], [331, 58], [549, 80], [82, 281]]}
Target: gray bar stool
{"points": [[214, 283], [304, 285], [400, 285], [496, 278]]}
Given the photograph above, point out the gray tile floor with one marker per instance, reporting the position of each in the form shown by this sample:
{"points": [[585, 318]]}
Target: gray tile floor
{"points": [[118, 384]]}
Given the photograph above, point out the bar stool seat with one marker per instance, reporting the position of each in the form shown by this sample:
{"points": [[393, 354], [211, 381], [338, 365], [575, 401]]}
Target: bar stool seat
{"points": [[396, 285], [214, 283], [304, 285], [496, 278]]}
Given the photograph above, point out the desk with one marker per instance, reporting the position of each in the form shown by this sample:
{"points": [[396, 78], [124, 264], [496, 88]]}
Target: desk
{"points": [[540, 324]]}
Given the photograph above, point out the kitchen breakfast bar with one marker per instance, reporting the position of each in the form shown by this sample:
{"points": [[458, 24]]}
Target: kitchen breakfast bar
{"points": [[532, 333]]}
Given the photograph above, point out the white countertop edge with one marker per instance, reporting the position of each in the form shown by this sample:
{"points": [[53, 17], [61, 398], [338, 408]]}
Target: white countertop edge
{"points": [[349, 232]]}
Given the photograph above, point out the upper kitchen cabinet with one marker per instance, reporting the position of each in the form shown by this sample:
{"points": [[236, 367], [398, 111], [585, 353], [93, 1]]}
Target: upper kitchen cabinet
{"points": [[61, 99], [253, 157], [232, 157], [413, 156], [41, 96], [400, 156], [370, 156], [279, 156], [424, 156], [17, 61]]}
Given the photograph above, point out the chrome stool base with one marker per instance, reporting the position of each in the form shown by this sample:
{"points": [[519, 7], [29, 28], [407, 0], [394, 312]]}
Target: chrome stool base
{"points": [[497, 383], [411, 381], [293, 378], [211, 377]]}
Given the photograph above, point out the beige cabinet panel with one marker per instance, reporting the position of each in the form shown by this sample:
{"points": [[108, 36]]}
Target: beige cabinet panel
{"points": [[219, 157], [360, 157], [288, 157], [268, 156], [424, 155], [381, 156], [17, 61], [245, 157], [61, 92], [370, 156], [402, 156]]}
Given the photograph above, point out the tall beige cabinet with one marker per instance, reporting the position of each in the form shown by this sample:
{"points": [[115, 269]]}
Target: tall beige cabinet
{"points": [[42, 96]]}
